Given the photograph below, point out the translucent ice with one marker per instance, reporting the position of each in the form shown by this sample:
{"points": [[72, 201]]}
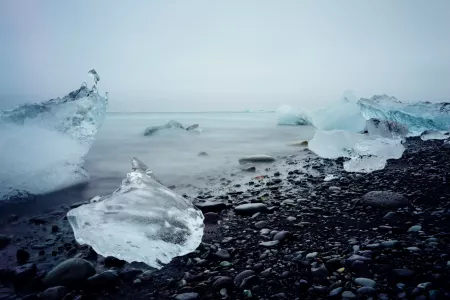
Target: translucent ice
{"points": [[386, 128], [418, 116], [288, 115], [366, 153], [43, 145], [142, 221], [344, 114]]}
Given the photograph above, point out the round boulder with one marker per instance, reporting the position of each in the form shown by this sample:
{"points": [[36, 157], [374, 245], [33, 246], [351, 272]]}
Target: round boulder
{"points": [[384, 199], [69, 273]]}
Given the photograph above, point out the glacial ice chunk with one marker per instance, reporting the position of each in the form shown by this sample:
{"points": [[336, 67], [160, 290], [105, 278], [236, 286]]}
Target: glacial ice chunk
{"points": [[386, 128], [43, 145], [288, 115], [341, 115], [365, 153], [433, 135], [418, 116], [142, 221]]}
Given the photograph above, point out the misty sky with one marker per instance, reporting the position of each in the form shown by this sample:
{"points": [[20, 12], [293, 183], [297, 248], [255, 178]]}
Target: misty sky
{"points": [[225, 55]]}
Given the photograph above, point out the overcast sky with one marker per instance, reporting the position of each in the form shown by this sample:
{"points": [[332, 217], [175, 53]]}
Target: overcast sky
{"points": [[225, 55]]}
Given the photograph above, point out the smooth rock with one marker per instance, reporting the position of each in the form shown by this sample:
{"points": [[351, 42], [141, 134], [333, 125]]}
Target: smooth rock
{"points": [[4, 241], [384, 199], [223, 254], [260, 224], [113, 262], [348, 295], [415, 228], [250, 208], [69, 273], [256, 159], [25, 272], [209, 206], [53, 293], [211, 218], [104, 280], [243, 275], [222, 282], [186, 296], [282, 235], [269, 244], [365, 282]]}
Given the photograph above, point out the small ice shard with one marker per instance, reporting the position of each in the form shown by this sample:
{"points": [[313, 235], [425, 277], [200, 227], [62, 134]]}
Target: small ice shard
{"points": [[433, 135], [386, 128], [142, 221], [94, 75]]}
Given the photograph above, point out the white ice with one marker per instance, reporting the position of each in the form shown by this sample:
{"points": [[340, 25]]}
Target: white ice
{"points": [[142, 221], [366, 153], [288, 115], [43, 145]]}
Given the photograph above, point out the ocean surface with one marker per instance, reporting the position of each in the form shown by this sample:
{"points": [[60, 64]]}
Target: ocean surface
{"points": [[172, 154]]}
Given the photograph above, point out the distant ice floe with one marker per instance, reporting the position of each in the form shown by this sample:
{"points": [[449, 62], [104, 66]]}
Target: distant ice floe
{"points": [[142, 221], [43, 146]]}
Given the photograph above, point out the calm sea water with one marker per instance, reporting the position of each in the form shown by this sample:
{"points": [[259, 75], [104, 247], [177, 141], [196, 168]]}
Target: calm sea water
{"points": [[172, 154]]}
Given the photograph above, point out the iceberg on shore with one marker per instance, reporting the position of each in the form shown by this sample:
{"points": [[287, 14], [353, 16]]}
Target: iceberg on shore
{"points": [[142, 221], [43, 145], [418, 116]]}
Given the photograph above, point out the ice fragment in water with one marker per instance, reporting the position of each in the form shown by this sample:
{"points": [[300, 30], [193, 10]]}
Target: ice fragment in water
{"points": [[43, 145], [433, 135], [142, 221], [366, 153], [288, 115]]}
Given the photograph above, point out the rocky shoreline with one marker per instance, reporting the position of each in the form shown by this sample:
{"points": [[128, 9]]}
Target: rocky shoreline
{"points": [[382, 235]]}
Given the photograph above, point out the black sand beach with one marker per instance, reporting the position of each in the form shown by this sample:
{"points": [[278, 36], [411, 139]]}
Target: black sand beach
{"points": [[306, 239]]}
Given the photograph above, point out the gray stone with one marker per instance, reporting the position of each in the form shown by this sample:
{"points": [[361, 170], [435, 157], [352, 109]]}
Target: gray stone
{"points": [[243, 275], [186, 296], [53, 293], [222, 282], [269, 244], [104, 280], [209, 206], [4, 241], [348, 295], [256, 159], [415, 228], [69, 273], [366, 291], [250, 208], [211, 218], [335, 292], [365, 282], [223, 254], [282, 235], [260, 224], [384, 199]]}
